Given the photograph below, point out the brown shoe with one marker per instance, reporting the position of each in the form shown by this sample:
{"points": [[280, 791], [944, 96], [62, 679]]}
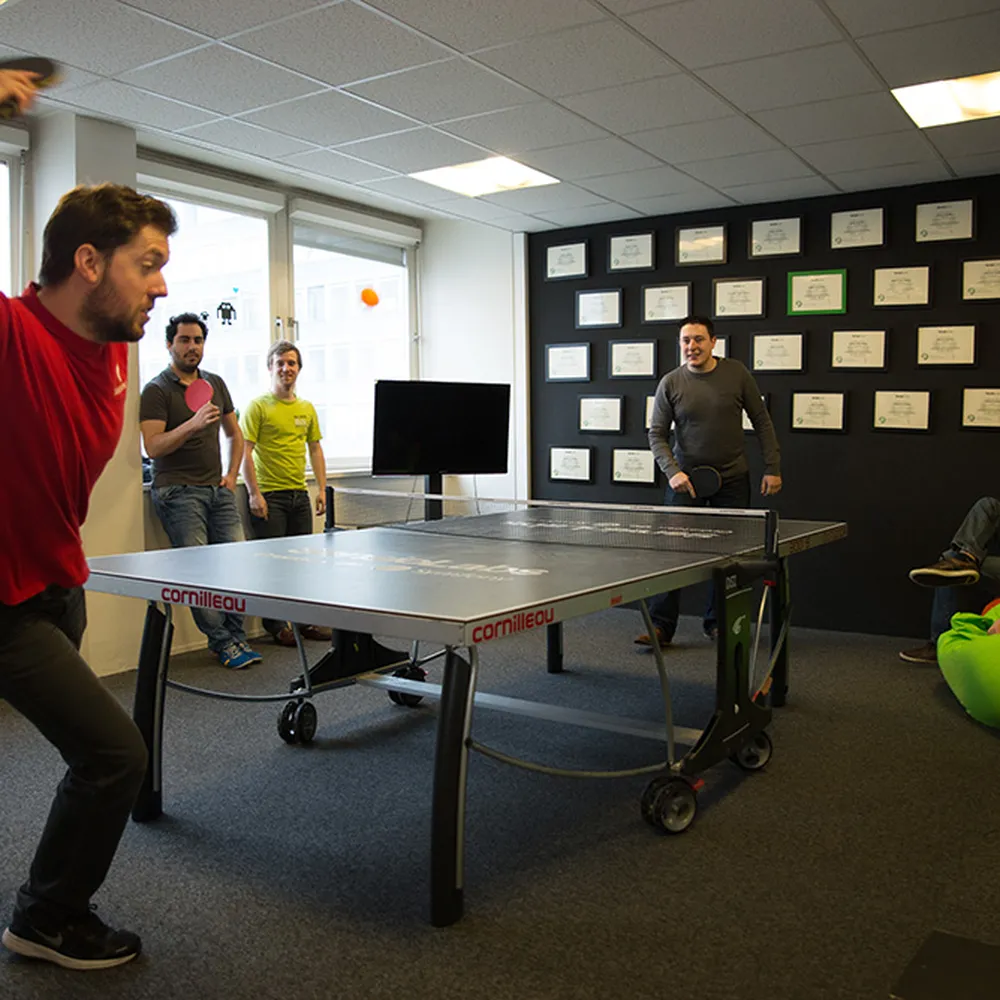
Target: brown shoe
{"points": [[318, 633], [284, 636], [951, 571], [927, 653], [662, 639]]}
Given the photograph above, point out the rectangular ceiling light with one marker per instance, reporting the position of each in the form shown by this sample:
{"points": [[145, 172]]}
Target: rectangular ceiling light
{"points": [[946, 101], [498, 173]]}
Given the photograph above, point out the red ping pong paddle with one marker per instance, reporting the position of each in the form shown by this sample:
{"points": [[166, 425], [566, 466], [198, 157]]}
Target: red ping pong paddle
{"points": [[47, 74], [197, 394], [706, 481]]}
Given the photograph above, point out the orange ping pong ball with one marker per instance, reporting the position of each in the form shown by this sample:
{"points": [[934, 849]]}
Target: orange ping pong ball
{"points": [[369, 296]]}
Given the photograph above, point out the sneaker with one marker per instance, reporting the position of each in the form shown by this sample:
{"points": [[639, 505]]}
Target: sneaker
{"points": [[951, 571], [662, 639], [927, 653], [255, 657], [236, 657], [711, 632], [318, 633], [77, 943]]}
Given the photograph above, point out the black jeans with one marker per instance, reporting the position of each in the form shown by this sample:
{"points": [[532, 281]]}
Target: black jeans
{"points": [[43, 676], [288, 513], [665, 608]]}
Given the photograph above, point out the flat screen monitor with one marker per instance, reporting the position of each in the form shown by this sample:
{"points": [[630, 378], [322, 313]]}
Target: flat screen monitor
{"points": [[448, 428]]}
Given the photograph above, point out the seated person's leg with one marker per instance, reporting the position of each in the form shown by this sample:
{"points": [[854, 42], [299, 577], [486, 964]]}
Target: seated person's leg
{"points": [[959, 565]]}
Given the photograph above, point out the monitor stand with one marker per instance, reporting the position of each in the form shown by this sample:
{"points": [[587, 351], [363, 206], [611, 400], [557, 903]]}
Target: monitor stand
{"points": [[433, 509]]}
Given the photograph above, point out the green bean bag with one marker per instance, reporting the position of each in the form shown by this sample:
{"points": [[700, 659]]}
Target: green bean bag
{"points": [[970, 662]]}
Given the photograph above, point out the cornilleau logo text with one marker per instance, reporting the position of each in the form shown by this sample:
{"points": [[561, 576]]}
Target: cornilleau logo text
{"points": [[520, 622], [203, 599]]}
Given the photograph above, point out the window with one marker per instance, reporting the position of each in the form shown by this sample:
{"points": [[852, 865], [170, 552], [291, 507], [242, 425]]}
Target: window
{"points": [[6, 231]]}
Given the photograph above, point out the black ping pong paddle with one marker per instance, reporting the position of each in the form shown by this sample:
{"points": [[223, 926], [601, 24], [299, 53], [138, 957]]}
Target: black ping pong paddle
{"points": [[47, 74], [706, 481]]}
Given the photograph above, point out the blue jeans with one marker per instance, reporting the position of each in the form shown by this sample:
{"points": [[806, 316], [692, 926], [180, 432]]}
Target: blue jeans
{"points": [[203, 515], [665, 608], [979, 535]]}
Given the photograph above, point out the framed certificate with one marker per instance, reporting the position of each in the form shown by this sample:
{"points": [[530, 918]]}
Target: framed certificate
{"points": [[944, 220], [567, 362], [818, 411], [601, 414], [856, 229], [778, 352], [747, 424], [946, 345], [733, 298], [599, 308], [632, 465], [632, 358], [902, 411], [981, 408], [903, 286], [666, 303], [631, 253], [572, 464], [858, 349], [649, 411], [775, 238], [814, 293], [701, 245], [566, 261], [981, 279]]}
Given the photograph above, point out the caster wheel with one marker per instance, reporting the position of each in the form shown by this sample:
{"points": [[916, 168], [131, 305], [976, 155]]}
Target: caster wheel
{"points": [[755, 755], [674, 806], [649, 796], [297, 722], [412, 673]]}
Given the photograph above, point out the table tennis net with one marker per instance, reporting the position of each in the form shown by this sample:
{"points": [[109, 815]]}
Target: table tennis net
{"points": [[671, 529]]}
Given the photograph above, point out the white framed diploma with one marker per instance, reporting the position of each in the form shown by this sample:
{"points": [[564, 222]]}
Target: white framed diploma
{"points": [[946, 345], [631, 253], [778, 352], [944, 220], [981, 279], [817, 292], [858, 349], [981, 407], [650, 400], [599, 308], [776, 237], [701, 245], [736, 297], [903, 286], [632, 465], [602, 414], [567, 362], [566, 261], [632, 358], [817, 411], [572, 464], [902, 411], [857, 229], [666, 303]]}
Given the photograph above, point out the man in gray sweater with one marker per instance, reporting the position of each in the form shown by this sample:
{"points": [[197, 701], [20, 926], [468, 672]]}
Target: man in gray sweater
{"points": [[704, 399]]}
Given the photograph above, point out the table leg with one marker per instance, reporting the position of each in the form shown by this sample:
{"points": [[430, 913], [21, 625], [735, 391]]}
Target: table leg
{"points": [[147, 711], [554, 648], [780, 608]]}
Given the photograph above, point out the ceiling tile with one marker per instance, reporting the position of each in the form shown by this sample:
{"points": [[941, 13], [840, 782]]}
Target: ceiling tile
{"points": [[470, 26], [452, 89], [936, 51], [589, 159], [705, 140], [220, 19], [800, 187], [842, 118], [633, 107], [329, 119], [471, 208], [246, 139], [332, 164], [644, 184], [410, 189], [341, 44], [862, 17], [897, 175], [544, 199], [591, 216], [622, 7], [740, 29], [221, 79], [728, 171], [570, 61], [126, 104], [100, 35], [818, 74], [672, 204], [976, 166], [966, 138], [522, 224], [419, 149], [531, 126], [872, 151]]}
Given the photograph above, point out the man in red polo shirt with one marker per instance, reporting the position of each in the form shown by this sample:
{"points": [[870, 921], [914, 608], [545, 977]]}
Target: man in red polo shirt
{"points": [[63, 379]]}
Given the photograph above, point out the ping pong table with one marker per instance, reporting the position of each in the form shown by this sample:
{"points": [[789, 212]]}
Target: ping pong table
{"points": [[462, 582]]}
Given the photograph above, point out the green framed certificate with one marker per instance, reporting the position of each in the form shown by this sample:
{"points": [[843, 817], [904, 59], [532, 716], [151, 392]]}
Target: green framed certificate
{"points": [[814, 293]]}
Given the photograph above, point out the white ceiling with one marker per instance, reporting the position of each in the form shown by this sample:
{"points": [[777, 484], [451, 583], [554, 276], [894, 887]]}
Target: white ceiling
{"points": [[640, 107]]}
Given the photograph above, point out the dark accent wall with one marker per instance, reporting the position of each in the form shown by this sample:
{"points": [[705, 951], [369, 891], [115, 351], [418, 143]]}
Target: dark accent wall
{"points": [[901, 493]]}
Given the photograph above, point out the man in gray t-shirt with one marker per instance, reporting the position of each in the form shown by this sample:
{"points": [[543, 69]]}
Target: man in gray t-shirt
{"points": [[701, 403], [193, 495]]}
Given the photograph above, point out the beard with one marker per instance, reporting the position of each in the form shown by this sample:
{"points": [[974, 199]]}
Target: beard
{"points": [[102, 312]]}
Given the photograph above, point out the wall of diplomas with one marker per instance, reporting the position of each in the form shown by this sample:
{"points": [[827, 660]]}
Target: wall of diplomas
{"points": [[870, 321]]}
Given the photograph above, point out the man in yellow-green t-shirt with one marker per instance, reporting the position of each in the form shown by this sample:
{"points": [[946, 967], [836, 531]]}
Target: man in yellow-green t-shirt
{"points": [[278, 428]]}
